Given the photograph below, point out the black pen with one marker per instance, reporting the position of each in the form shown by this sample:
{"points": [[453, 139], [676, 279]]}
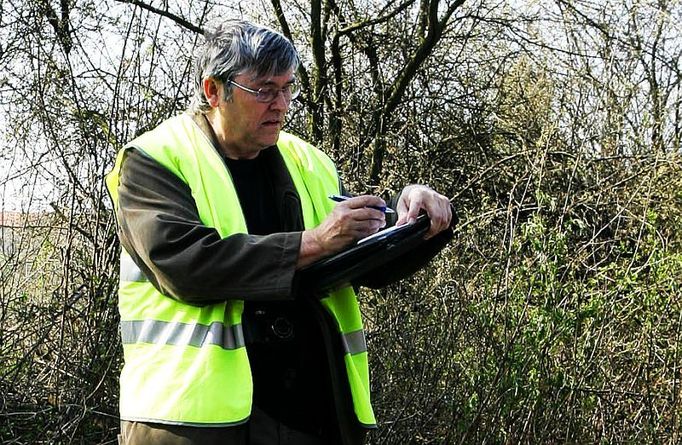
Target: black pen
{"points": [[341, 198]]}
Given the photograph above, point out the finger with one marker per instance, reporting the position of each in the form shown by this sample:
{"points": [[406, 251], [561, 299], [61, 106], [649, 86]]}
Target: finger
{"points": [[365, 228], [408, 208], [413, 211], [371, 228], [441, 216], [402, 208], [358, 219], [365, 201], [366, 214]]}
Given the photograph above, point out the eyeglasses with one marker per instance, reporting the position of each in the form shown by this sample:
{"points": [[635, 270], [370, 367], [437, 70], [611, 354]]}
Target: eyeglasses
{"points": [[267, 95]]}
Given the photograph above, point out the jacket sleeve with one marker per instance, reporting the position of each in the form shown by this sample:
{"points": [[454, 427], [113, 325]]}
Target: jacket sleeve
{"points": [[186, 260]]}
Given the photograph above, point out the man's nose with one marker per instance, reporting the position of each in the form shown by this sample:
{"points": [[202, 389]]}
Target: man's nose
{"points": [[279, 102]]}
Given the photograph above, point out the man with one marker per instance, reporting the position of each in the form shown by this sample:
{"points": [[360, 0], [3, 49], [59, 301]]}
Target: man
{"points": [[217, 210]]}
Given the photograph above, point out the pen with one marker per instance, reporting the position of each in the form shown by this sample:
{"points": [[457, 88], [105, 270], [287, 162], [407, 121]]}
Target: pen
{"points": [[340, 198]]}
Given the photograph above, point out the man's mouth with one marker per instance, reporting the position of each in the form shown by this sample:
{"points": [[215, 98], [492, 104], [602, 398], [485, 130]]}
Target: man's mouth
{"points": [[272, 123]]}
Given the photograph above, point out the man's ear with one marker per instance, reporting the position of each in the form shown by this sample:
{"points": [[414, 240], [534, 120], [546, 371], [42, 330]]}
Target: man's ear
{"points": [[212, 91]]}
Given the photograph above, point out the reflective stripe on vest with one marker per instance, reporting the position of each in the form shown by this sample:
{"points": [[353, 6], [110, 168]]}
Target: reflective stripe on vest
{"points": [[130, 272], [354, 342], [183, 334]]}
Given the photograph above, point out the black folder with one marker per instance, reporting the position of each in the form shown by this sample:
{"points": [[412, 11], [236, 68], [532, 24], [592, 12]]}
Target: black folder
{"points": [[357, 264]]}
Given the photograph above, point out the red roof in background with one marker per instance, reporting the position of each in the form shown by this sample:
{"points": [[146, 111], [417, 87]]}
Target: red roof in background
{"points": [[19, 219]]}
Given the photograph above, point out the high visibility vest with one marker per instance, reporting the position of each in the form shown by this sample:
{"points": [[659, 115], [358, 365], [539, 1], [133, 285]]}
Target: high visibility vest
{"points": [[188, 365]]}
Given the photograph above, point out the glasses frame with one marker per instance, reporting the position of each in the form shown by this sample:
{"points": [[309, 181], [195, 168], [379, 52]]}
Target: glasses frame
{"points": [[259, 92]]}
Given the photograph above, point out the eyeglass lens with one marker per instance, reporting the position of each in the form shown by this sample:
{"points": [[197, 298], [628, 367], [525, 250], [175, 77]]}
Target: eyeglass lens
{"points": [[290, 92]]}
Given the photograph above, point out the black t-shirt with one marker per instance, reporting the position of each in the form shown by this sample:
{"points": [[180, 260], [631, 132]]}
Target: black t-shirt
{"points": [[256, 195], [285, 348]]}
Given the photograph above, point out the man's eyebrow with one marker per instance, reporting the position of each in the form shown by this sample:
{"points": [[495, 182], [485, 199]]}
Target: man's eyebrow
{"points": [[269, 82]]}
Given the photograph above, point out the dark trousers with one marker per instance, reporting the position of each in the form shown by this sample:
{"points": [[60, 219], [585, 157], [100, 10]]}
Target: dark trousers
{"points": [[261, 429]]}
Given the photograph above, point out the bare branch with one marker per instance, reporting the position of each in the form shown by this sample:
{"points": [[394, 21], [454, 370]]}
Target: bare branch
{"points": [[164, 13], [376, 21], [397, 89], [286, 30]]}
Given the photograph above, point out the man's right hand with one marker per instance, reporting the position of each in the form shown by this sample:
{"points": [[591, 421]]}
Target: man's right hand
{"points": [[350, 221]]}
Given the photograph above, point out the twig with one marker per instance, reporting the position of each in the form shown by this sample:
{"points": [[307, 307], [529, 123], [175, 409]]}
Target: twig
{"points": [[179, 20]]}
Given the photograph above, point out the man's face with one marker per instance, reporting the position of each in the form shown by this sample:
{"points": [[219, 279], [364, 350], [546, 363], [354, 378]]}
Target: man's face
{"points": [[248, 126]]}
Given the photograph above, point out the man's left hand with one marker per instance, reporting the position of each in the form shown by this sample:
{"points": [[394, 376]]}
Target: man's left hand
{"points": [[414, 198]]}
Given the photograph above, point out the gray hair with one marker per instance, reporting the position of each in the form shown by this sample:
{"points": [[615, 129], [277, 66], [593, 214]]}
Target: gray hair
{"points": [[238, 47]]}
